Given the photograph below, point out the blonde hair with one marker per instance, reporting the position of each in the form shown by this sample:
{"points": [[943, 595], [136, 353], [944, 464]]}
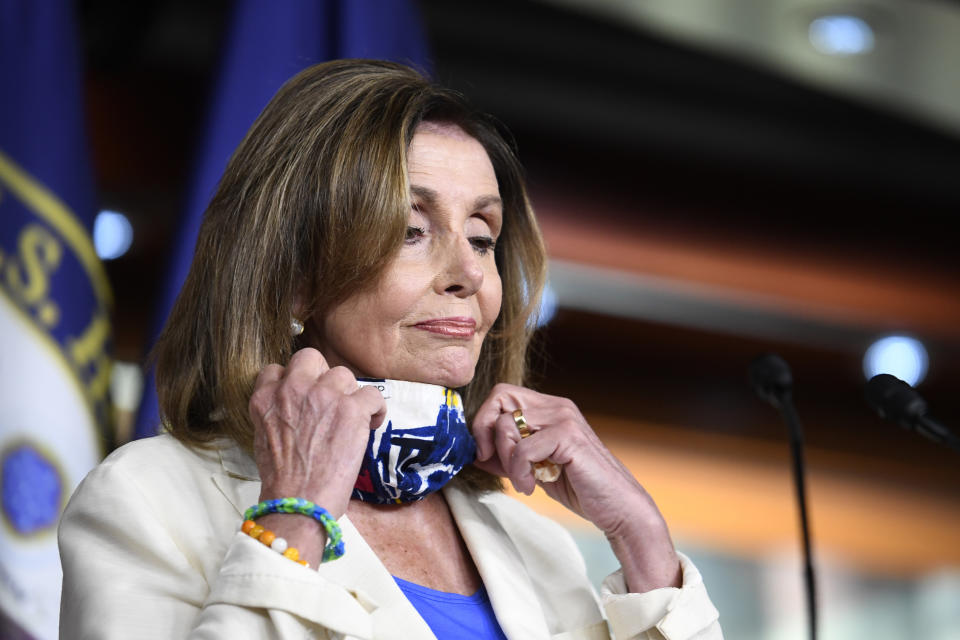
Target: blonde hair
{"points": [[314, 202]]}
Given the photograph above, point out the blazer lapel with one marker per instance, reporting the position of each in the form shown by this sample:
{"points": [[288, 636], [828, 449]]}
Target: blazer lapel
{"points": [[359, 571], [237, 478], [512, 595]]}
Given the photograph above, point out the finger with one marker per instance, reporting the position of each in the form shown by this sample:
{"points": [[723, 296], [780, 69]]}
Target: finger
{"points": [[269, 374], [308, 363], [506, 438], [503, 398], [341, 379], [299, 382], [491, 466], [527, 453], [261, 399], [319, 394], [371, 403]]}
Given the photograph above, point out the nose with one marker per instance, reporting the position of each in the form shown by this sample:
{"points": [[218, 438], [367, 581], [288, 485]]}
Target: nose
{"points": [[460, 272]]}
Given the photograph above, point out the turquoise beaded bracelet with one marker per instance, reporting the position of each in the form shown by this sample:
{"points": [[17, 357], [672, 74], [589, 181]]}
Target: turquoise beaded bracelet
{"points": [[334, 547]]}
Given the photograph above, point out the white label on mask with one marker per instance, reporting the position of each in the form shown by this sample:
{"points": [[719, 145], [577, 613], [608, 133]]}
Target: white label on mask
{"points": [[383, 386]]}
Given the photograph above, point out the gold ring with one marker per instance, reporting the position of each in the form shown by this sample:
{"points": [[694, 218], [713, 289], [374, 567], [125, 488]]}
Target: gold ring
{"points": [[522, 425]]}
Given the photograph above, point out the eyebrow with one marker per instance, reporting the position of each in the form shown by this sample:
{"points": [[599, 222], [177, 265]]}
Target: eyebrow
{"points": [[431, 197]]}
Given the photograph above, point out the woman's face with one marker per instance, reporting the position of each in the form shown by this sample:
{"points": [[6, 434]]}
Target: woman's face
{"points": [[427, 317]]}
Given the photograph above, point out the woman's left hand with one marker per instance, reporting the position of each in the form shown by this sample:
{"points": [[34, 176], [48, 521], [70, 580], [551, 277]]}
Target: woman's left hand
{"points": [[593, 483]]}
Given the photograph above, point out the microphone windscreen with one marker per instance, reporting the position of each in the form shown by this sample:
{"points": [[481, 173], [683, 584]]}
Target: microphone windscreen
{"points": [[771, 378], [895, 400]]}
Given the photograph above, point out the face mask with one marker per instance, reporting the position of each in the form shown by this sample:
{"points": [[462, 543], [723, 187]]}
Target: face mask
{"points": [[423, 442]]}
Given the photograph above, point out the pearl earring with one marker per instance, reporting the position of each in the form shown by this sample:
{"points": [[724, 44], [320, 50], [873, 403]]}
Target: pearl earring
{"points": [[296, 327]]}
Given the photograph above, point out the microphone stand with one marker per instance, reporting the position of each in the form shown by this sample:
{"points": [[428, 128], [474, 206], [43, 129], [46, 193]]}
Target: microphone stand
{"points": [[789, 413], [772, 381]]}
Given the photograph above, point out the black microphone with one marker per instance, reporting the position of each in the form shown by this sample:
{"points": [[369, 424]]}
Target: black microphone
{"points": [[772, 380], [895, 400]]}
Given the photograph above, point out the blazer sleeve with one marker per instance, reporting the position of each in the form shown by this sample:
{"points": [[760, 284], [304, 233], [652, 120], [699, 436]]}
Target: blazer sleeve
{"points": [[126, 576], [671, 613]]}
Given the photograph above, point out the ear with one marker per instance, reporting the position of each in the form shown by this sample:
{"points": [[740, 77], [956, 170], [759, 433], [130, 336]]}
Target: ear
{"points": [[303, 311], [302, 307]]}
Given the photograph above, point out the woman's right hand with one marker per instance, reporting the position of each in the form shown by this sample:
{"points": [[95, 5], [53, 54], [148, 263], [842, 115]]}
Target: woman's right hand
{"points": [[312, 424]]}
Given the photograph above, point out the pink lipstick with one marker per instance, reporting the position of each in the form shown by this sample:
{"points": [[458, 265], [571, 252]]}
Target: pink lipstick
{"points": [[453, 327]]}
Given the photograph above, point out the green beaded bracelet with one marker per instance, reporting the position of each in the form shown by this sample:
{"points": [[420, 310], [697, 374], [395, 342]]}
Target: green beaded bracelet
{"points": [[334, 547]]}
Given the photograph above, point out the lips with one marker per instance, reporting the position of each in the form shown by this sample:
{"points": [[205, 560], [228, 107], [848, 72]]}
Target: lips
{"points": [[453, 327]]}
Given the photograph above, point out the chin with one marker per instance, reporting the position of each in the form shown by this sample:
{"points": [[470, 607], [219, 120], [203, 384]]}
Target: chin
{"points": [[458, 382], [445, 375], [445, 380]]}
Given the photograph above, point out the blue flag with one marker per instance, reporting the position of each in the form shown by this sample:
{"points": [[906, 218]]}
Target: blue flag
{"points": [[54, 307], [267, 44]]}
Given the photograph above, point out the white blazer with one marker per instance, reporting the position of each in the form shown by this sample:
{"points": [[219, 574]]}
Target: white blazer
{"points": [[151, 548]]}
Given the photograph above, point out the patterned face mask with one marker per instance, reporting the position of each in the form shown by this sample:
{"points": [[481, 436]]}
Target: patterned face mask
{"points": [[423, 442]]}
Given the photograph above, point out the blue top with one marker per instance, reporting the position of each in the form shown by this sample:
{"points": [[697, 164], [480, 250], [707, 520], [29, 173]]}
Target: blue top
{"points": [[451, 615]]}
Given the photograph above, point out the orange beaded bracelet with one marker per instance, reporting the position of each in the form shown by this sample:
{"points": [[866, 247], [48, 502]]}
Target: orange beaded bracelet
{"points": [[272, 540]]}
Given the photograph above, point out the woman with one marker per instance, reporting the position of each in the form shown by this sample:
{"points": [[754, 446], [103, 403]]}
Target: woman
{"points": [[369, 249]]}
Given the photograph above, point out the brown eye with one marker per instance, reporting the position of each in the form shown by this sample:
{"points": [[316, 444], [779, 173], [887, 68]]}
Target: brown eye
{"points": [[413, 234], [483, 244]]}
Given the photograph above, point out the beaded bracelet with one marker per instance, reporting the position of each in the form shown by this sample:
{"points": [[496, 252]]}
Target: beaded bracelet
{"points": [[272, 540], [334, 547]]}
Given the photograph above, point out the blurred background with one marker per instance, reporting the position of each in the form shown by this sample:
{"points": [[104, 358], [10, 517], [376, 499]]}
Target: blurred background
{"points": [[715, 179]]}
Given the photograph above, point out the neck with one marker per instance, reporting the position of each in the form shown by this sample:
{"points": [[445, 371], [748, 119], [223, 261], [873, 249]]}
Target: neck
{"points": [[412, 513], [434, 555]]}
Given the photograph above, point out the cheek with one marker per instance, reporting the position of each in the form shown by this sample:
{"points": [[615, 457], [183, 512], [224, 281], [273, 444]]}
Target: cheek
{"points": [[378, 322], [492, 298], [357, 325], [398, 297], [337, 331], [377, 319]]}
